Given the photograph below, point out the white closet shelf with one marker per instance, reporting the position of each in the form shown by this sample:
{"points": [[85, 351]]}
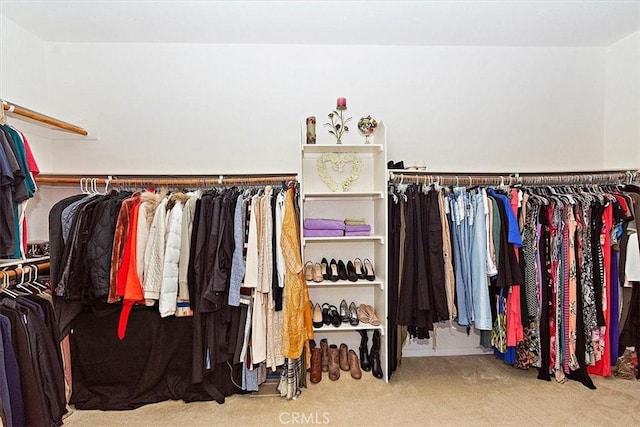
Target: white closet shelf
{"points": [[20, 261], [342, 148], [374, 238], [344, 283], [325, 195], [347, 327]]}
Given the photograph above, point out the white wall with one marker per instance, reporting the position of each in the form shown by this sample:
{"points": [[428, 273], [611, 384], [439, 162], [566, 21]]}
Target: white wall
{"points": [[187, 108], [622, 104], [23, 81]]}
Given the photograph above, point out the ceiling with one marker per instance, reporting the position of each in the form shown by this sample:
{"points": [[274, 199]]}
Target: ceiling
{"points": [[414, 23]]}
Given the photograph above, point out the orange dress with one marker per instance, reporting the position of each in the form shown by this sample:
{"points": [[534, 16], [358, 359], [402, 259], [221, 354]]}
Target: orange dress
{"points": [[297, 325]]}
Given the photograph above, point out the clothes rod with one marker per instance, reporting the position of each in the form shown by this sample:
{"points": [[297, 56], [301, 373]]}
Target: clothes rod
{"points": [[42, 118], [460, 179], [19, 271], [159, 181]]}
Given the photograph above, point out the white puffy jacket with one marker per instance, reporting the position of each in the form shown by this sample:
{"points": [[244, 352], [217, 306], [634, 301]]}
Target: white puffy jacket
{"points": [[169, 289], [154, 254]]}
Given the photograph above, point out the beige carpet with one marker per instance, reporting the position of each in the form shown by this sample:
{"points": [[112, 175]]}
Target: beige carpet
{"points": [[457, 391]]}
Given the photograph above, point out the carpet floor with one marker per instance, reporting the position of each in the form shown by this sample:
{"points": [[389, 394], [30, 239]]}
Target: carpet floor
{"points": [[442, 391]]}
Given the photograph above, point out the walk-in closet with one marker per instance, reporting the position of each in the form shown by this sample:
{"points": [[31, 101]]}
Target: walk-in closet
{"points": [[319, 212]]}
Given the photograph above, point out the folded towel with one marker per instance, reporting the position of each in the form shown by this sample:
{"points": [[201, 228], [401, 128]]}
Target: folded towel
{"points": [[354, 221], [364, 227], [357, 233], [322, 233], [323, 224]]}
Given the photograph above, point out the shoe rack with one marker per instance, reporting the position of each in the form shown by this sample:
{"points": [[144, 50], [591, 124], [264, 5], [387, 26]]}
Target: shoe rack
{"points": [[367, 198]]}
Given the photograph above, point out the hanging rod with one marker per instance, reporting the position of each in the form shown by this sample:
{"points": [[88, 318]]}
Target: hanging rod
{"points": [[141, 181], [612, 177], [18, 271], [42, 118]]}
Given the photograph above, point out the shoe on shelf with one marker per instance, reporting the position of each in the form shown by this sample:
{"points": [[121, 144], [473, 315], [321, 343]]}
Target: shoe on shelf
{"points": [[316, 365], [333, 270], [353, 314], [308, 271], [317, 273], [336, 320], [358, 268], [324, 264], [334, 362], [354, 365], [363, 314], [317, 316], [324, 347], [342, 271], [344, 311], [364, 350], [376, 365], [369, 274], [326, 314], [351, 272], [343, 359]]}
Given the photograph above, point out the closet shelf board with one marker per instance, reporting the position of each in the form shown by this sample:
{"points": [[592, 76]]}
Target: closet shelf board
{"points": [[344, 327], [378, 239], [344, 283], [370, 195], [20, 261], [342, 148]]}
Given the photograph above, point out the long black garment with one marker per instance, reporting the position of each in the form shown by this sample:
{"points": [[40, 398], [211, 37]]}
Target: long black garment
{"points": [[413, 302], [434, 258], [545, 295], [44, 357], [393, 250], [598, 259]]}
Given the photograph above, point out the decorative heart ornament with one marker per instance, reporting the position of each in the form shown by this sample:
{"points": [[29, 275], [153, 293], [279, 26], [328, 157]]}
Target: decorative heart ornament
{"points": [[338, 162]]}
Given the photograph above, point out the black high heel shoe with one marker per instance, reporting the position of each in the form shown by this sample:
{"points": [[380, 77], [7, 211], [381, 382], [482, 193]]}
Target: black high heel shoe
{"points": [[333, 270], [336, 320], [326, 315], [369, 274], [359, 268], [342, 271], [351, 272], [324, 265], [317, 316]]}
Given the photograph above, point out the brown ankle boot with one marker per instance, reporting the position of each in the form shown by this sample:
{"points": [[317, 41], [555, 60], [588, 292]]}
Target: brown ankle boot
{"points": [[324, 346], [354, 365], [344, 361], [316, 365], [334, 364]]}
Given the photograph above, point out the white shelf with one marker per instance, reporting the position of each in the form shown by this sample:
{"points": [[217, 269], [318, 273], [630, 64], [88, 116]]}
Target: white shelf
{"points": [[346, 327], [325, 195], [344, 283], [21, 261], [342, 239], [342, 148]]}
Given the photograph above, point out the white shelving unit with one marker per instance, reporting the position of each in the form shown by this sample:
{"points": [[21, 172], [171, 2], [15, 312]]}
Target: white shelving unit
{"points": [[367, 198]]}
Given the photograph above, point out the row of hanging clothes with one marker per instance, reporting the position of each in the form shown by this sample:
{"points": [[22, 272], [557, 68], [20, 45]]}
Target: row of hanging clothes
{"points": [[546, 273], [32, 382], [18, 169], [204, 272]]}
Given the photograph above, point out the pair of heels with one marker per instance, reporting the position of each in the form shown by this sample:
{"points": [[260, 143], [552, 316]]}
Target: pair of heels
{"points": [[330, 315], [352, 271], [367, 314], [313, 272]]}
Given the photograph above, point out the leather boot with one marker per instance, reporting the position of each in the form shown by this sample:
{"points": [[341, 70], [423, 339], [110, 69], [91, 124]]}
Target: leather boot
{"points": [[354, 365], [344, 361], [316, 365], [334, 363], [365, 364], [376, 365], [324, 346]]}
